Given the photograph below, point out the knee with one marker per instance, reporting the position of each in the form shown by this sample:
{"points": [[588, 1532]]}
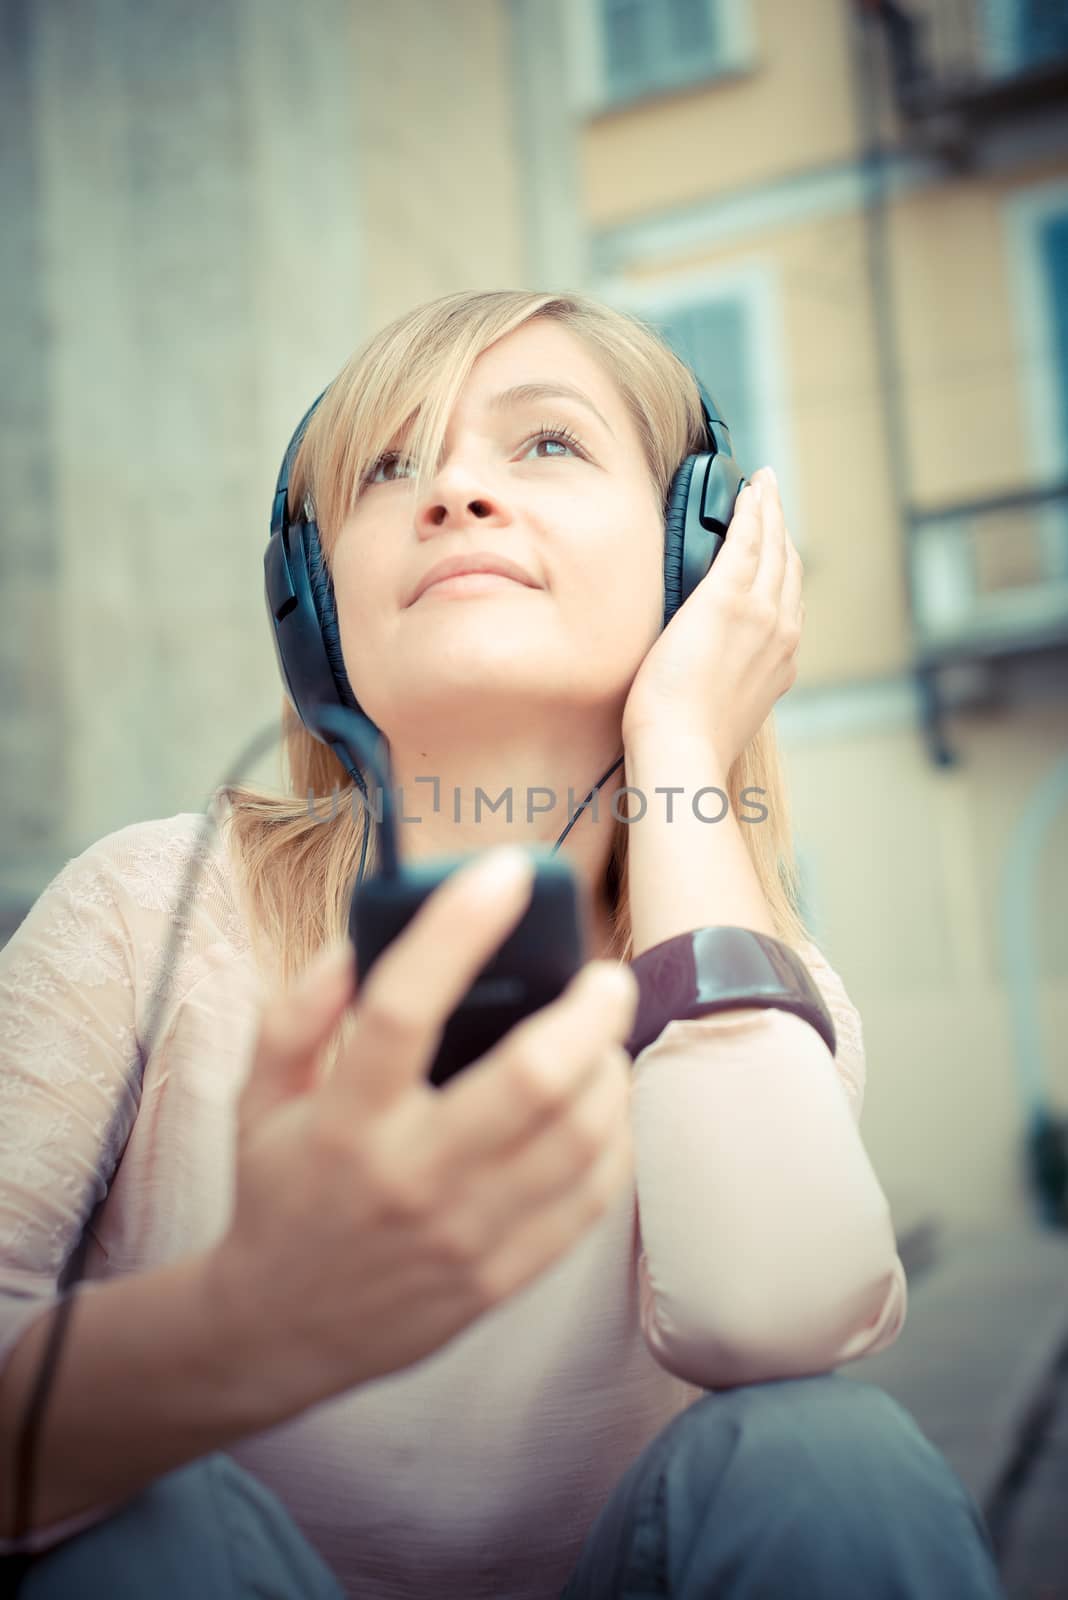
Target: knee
{"points": [[843, 1440], [827, 1475]]}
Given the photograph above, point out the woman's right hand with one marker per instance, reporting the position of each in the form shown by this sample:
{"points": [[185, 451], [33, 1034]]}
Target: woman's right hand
{"points": [[376, 1215]]}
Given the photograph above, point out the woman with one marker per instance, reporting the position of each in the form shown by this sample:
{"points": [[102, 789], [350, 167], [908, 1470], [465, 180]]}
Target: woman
{"points": [[350, 1333]]}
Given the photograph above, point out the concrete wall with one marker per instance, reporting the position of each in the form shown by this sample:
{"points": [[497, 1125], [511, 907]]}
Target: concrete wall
{"points": [[207, 208]]}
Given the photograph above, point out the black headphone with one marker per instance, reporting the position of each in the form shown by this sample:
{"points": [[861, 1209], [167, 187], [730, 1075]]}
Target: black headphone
{"points": [[300, 592]]}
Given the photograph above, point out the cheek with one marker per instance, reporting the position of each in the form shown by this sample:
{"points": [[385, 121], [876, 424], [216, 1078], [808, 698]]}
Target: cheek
{"points": [[353, 569], [636, 569], [356, 585], [623, 591]]}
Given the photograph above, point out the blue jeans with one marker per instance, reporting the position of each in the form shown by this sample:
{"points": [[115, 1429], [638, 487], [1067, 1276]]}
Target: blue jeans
{"points": [[802, 1489]]}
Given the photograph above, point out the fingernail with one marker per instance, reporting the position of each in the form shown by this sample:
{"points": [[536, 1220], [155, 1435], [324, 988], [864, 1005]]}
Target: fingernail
{"points": [[772, 479], [618, 978], [756, 487], [505, 866]]}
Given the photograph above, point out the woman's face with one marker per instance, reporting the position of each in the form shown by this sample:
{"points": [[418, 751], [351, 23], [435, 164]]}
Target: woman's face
{"points": [[579, 516]]}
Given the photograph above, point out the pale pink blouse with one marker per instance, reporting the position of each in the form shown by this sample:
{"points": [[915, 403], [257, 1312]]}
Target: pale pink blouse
{"points": [[756, 1242]]}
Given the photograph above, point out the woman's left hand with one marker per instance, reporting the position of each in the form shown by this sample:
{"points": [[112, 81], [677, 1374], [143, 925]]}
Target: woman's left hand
{"points": [[730, 651]]}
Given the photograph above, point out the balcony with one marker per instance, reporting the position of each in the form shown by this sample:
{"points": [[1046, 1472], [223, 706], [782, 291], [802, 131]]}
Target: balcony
{"points": [[962, 68], [988, 582]]}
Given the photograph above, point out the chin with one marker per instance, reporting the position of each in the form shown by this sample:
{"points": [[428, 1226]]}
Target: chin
{"points": [[458, 640]]}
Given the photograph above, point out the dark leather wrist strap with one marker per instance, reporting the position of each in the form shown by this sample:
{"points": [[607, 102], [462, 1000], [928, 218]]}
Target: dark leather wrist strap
{"points": [[722, 969]]}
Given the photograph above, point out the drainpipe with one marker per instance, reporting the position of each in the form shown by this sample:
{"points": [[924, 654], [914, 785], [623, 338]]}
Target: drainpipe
{"points": [[866, 19], [1046, 1135]]}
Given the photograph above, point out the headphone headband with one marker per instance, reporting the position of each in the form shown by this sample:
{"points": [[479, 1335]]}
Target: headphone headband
{"points": [[719, 435], [280, 505]]}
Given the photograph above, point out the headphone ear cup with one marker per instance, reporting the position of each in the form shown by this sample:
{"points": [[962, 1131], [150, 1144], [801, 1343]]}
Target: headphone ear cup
{"points": [[674, 535], [322, 591]]}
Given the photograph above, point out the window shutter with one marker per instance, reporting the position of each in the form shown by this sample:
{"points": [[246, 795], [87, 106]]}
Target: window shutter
{"points": [[1054, 252], [657, 44], [1041, 32], [715, 339]]}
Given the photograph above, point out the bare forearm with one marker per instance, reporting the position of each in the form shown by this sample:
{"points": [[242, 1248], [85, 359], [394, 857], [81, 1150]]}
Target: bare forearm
{"points": [[146, 1381], [687, 873]]}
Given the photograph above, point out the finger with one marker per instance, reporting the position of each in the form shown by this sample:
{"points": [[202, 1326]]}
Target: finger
{"points": [[295, 1027], [547, 1235], [739, 559], [554, 1163], [544, 1164], [540, 1064], [772, 568], [417, 982], [792, 604]]}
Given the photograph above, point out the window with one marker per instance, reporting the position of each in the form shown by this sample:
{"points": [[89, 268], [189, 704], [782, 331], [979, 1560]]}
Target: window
{"points": [[648, 45], [1020, 35], [1053, 253], [1053, 247], [726, 323], [1037, 243], [715, 339], [999, 574], [1041, 32]]}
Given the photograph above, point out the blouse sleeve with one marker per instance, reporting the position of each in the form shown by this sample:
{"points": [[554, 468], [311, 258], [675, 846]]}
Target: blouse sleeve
{"points": [[75, 979], [766, 1247]]}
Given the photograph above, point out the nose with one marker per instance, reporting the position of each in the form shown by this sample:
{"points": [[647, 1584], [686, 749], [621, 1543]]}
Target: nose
{"points": [[456, 498]]}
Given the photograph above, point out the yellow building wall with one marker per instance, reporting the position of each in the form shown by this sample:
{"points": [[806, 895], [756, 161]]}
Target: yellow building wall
{"points": [[678, 148], [960, 347], [908, 863]]}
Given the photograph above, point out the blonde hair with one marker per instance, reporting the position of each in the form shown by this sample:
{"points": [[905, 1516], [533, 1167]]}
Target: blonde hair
{"points": [[296, 857]]}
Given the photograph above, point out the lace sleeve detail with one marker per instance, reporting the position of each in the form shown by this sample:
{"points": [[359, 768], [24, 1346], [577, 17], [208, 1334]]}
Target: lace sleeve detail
{"points": [[849, 1057], [76, 979]]}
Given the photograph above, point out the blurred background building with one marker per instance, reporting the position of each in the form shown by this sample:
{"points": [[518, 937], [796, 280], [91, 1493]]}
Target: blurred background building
{"points": [[851, 216]]}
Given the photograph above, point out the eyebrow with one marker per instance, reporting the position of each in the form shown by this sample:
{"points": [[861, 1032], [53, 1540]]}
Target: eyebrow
{"points": [[520, 393]]}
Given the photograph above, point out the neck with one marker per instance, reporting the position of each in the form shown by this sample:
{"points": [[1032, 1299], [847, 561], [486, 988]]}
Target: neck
{"points": [[460, 798]]}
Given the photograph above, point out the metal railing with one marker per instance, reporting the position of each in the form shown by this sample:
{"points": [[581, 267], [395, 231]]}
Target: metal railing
{"points": [[976, 57], [990, 576], [988, 582]]}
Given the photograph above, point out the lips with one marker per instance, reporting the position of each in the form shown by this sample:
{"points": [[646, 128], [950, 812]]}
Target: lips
{"points": [[476, 561]]}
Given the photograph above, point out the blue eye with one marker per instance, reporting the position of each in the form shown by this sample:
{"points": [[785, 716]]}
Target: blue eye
{"points": [[561, 435], [548, 432]]}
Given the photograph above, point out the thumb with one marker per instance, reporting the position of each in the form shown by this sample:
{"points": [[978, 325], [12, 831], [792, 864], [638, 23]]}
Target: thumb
{"points": [[294, 1028]]}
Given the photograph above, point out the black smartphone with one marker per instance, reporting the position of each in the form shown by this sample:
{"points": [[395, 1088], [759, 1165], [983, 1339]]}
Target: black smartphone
{"points": [[533, 966]]}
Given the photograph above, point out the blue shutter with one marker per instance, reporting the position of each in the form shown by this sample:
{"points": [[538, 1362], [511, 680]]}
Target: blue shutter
{"points": [[1054, 256], [688, 28], [656, 44], [624, 42], [715, 338], [1041, 28]]}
